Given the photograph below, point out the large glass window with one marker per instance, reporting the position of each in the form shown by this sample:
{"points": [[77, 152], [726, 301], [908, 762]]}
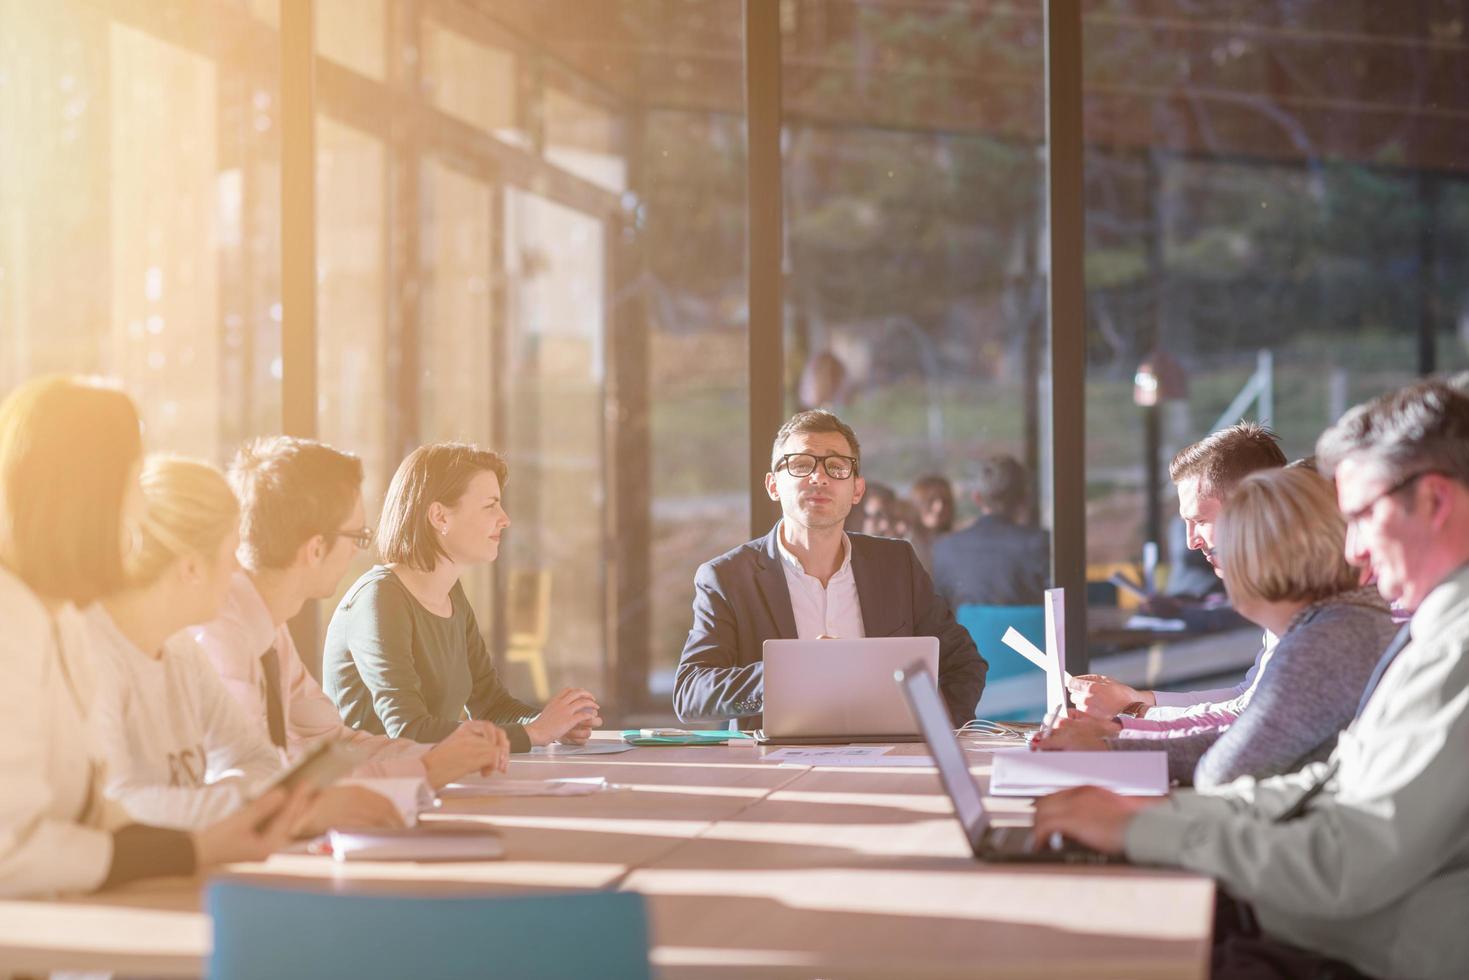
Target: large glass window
{"points": [[136, 197]]}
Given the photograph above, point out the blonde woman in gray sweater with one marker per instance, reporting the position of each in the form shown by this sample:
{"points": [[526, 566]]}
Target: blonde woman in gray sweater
{"points": [[1280, 542]]}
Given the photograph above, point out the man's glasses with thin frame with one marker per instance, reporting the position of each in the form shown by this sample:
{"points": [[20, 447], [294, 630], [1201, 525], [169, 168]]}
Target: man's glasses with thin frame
{"points": [[801, 465], [1356, 516], [360, 539]]}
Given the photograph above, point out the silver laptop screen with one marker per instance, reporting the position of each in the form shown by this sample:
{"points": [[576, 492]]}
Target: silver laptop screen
{"points": [[933, 719]]}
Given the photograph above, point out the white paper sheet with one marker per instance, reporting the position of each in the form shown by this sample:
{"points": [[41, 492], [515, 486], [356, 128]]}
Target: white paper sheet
{"points": [[1016, 641], [557, 750], [1022, 772], [500, 786], [844, 755]]}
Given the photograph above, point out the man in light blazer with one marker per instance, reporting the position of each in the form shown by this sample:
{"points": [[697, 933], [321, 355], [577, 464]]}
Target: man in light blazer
{"points": [[809, 579]]}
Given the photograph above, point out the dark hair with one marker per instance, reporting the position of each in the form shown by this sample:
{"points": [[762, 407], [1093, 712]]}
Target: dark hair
{"points": [[815, 420], [1423, 426], [290, 491], [67, 451], [1221, 459], [1002, 482], [931, 487], [437, 473]]}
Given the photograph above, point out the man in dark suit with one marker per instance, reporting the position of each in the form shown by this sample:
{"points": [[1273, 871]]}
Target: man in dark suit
{"points": [[997, 560], [809, 579]]}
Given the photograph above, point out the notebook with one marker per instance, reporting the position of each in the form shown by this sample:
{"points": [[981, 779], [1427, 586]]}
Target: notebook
{"points": [[431, 841], [1021, 772]]}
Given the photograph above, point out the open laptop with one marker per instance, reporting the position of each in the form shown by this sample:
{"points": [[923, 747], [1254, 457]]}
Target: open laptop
{"points": [[987, 842], [823, 692]]}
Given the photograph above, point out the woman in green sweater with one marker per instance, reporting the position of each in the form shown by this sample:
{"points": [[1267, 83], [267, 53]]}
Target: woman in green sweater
{"points": [[404, 656]]}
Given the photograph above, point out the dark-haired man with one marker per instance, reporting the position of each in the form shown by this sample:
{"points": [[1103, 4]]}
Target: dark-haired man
{"points": [[1363, 858], [1205, 474], [808, 578], [302, 523]]}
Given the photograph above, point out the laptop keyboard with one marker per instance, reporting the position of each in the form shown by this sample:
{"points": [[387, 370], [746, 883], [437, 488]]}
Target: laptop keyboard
{"points": [[1019, 840]]}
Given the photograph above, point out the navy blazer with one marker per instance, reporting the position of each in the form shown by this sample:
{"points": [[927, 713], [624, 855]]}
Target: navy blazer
{"points": [[741, 600]]}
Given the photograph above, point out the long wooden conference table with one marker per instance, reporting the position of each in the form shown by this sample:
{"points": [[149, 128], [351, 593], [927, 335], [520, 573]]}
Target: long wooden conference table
{"points": [[751, 869]]}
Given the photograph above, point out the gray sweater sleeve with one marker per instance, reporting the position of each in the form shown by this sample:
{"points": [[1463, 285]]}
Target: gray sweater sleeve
{"points": [[1307, 695], [1184, 749]]}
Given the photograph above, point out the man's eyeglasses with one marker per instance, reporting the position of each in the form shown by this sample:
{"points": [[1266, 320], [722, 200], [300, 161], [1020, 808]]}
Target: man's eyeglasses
{"points": [[361, 538], [804, 464], [1357, 515]]}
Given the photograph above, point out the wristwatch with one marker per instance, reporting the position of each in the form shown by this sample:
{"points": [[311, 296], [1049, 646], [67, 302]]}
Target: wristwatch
{"points": [[1135, 710]]}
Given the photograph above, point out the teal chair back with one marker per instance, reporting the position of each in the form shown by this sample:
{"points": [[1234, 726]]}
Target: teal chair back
{"points": [[264, 933], [987, 624], [1014, 689]]}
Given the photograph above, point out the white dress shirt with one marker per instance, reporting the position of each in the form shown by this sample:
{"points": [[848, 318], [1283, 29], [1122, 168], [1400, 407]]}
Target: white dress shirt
{"points": [[832, 609], [234, 642]]}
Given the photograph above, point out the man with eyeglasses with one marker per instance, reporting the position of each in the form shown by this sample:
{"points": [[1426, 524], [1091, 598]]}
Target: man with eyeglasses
{"points": [[807, 579], [1363, 858], [302, 524]]}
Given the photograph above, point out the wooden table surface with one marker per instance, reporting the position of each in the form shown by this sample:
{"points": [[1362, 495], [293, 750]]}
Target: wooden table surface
{"points": [[751, 869]]}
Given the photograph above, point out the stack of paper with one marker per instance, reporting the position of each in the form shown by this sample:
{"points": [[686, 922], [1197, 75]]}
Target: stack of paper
{"points": [[1022, 772]]}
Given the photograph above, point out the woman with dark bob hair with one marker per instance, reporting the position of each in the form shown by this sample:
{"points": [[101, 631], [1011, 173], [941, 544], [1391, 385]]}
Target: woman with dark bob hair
{"points": [[404, 656], [70, 454]]}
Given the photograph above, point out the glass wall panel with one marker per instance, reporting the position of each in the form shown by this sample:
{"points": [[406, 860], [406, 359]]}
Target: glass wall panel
{"points": [[353, 33], [473, 81], [915, 292], [138, 225], [554, 375], [1275, 231], [457, 381], [354, 393]]}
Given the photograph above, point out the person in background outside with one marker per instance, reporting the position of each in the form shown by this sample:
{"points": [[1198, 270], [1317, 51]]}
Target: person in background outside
{"points": [[933, 495], [404, 655], [70, 451], [303, 523], [997, 560]]}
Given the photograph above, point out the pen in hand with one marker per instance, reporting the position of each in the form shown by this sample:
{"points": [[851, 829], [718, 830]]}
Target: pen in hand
{"points": [[1046, 726]]}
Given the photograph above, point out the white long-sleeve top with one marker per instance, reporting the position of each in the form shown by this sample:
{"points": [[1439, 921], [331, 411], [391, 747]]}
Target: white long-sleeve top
{"points": [[234, 642], [180, 753], [55, 822]]}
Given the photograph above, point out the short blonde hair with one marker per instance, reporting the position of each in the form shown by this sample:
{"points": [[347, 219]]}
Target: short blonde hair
{"points": [[190, 510], [1281, 538]]}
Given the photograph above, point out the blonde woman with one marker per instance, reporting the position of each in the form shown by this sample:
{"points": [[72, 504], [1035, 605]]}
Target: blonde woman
{"points": [[180, 752], [69, 455], [1281, 542]]}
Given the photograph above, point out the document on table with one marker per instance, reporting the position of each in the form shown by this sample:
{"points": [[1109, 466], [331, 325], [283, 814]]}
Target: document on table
{"points": [[844, 755], [1156, 624], [1022, 772], [426, 842], [559, 751], [500, 786]]}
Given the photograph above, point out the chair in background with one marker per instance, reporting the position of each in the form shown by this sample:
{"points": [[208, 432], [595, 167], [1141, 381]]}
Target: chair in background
{"points": [[528, 602], [1012, 682], [265, 933]]}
